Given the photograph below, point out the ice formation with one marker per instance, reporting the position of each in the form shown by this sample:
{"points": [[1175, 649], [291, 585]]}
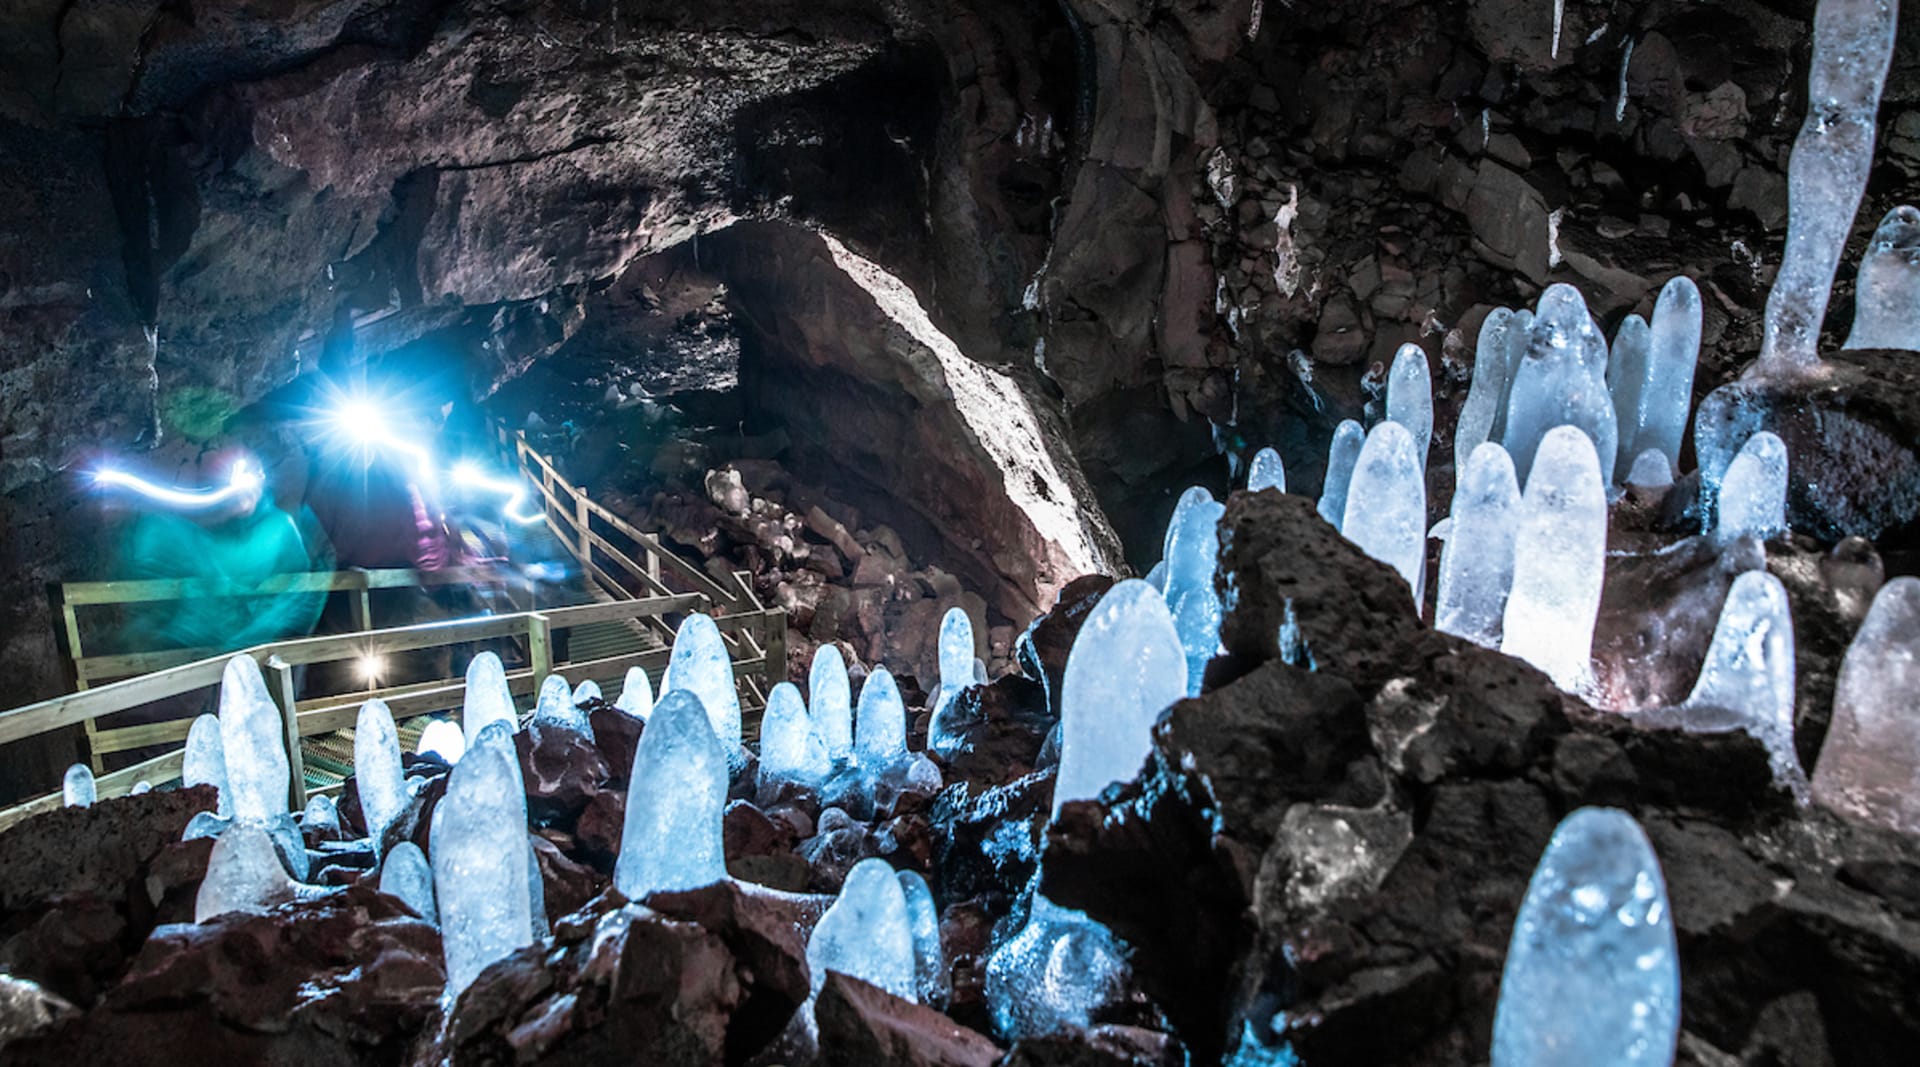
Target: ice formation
{"points": [[1628, 364], [1887, 290], [1387, 504], [701, 665], [636, 694], [77, 790], [1410, 397], [1348, 438], [1869, 767], [1673, 351], [204, 762], [253, 743], [1476, 565], [931, 984], [1852, 45], [487, 698], [1560, 559], [671, 838], [406, 875], [1592, 976], [1054, 974], [585, 691], [790, 748], [1266, 472], [1747, 680], [880, 729], [376, 768], [1561, 381], [1519, 334], [1124, 668], [244, 873], [480, 855], [867, 933], [321, 816], [1753, 492], [1489, 387], [1651, 470], [442, 738], [1192, 553], [830, 701], [556, 710], [956, 674]]}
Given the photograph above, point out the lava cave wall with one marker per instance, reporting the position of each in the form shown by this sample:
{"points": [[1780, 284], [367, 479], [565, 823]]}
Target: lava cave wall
{"points": [[1199, 224]]}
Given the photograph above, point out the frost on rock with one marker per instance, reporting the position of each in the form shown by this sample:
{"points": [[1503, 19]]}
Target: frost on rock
{"points": [[1484, 396], [77, 789], [1476, 564], [244, 873], [1266, 472], [1592, 976], [1747, 680], [1628, 364], [867, 933], [671, 838], [1124, 668], [376, 768], [254, 744], [1560, 559], [930, 979], [1561, 381], [1869, 767], [205, 762], [701, 665], [1887, 290], [880, 729], [1660, 419], [956, 674], [442, 738], [790, 749], [405, 875], [1852, 45], [1054, 974], [556, 710], [1410, 397], [480, 854], [636, 694], [830, 701], [1387, 504], [487, 699], [1192, 553], [1753, 494], [1348, 437]]}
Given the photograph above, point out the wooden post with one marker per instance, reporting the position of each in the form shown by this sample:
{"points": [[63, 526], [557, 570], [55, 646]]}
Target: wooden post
{"points": [[652, 545], [774, 640], [582, 516], [72, 620], [539, 649], [362, 609], [284, 695]]}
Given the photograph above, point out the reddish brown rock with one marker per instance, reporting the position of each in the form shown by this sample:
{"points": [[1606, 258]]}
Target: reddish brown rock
{"points": [[865, 1025]]}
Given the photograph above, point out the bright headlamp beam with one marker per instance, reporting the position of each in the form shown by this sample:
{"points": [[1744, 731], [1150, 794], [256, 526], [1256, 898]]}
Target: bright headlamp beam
{"points": [[469, 476], [243, 478]]}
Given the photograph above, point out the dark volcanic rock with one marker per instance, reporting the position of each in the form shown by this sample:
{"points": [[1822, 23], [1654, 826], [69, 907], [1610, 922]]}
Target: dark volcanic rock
{"points": [[862, 1024], [563, 771], [1044, 646], [1002, 727]]}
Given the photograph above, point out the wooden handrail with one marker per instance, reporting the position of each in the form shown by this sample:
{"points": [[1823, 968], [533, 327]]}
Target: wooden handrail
{"points": [[149, 590]]}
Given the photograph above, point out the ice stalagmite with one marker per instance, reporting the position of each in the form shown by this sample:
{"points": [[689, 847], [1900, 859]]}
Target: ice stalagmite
{"points": [[77, 790], [930, 979], [636, 694], [1753, 493], [1887, 291], [880, 729], [1489, 385], [480, 855], [1560, 560], [1651, 470], [701, 665], [1561, 382], [1476, 566], [321, 816], [1348, 438], [1266, 472], [1592, 977], [243, 874], [1869, 766], [254, 744], [205, 762], [790, 750], [830, 701], [1852, 45], [487, 699], [443, 739], [1672, 354], [405, 874], [1519, 335], [1387, 504], [1410, 397], [376, 768], [1192, 553], [1747, 680], [671, 838], [555, 709], [867, 933], [585, 691], [956, 674], [1628, 364]]}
